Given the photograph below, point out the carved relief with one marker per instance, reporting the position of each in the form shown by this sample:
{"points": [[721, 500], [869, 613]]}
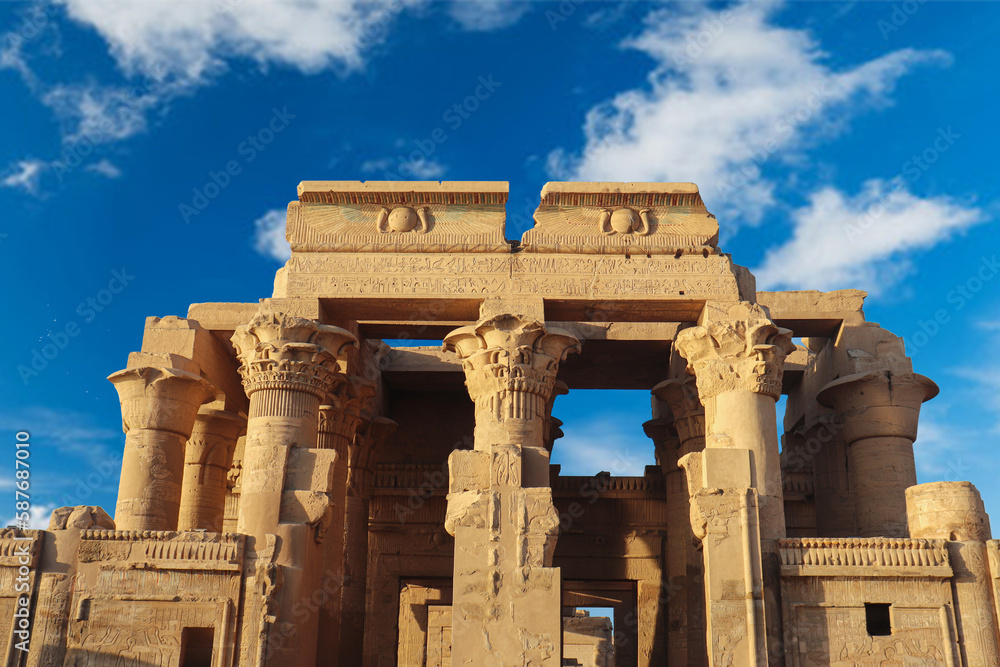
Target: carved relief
{"points": [[647, 218], [745, 352]]}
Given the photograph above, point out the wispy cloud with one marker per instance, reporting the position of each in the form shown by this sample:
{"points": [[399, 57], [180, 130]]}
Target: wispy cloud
{"points": [[861, 241], [731, 90], [422, 168], [25, 175], [604, 443], [105, 168]]}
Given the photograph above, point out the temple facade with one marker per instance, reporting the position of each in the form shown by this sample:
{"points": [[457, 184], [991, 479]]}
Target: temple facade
{"points": [[302, 487]]}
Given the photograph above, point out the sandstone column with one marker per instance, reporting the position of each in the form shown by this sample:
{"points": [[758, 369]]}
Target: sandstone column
{"points": [[207, 460], [159, 406], [879, 411], [507, 597], [678, 429], [725, 518], [737, 357], [954, 511], [289, 366], [338, 426], [824, 442], [363, 454]]}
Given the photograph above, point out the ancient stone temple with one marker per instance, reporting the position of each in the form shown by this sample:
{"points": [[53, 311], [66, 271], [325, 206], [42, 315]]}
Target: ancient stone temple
{"points": [[299, 487]]}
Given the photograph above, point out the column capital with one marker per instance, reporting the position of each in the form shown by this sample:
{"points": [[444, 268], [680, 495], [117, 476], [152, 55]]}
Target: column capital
{"points": [[339, 419], [510, 365], [878, 403], [161, 399], [744, 351], [688, 414], [663, 433], [279, 351], [211, 427]]}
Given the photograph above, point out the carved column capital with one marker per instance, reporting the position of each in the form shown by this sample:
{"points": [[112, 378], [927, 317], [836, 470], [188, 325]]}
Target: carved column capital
{"points": [[279, 351], [161, 399], [340, 418], [510, 365], [745, 351], [878, 403], [687, 412]]}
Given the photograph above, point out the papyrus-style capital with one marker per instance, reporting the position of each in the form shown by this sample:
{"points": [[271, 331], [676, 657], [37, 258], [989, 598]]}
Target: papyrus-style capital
{"points": [[279, 351], [208, 458], [161, 399], [878, 404], [745, 351], [510, 365]]}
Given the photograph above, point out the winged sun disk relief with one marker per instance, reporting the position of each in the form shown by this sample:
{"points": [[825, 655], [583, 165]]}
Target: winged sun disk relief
{"points": [[624, 221], [402, 219]]}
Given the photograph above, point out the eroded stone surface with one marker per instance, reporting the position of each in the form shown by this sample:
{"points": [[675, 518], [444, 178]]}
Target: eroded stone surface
{"points": [[296, 492]]}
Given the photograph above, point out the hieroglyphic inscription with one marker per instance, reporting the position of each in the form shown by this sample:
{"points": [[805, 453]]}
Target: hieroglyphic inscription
{"points": [[368, 274]]}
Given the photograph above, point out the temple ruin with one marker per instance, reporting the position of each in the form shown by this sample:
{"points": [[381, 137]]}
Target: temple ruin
{"points": [[297, 491]]}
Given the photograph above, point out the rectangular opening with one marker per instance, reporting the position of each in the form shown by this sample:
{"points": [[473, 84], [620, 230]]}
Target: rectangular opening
{"points": [[196, 647], [877, 619]]}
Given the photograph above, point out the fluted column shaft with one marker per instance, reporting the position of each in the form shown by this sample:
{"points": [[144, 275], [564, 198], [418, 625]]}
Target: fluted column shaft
{"points": [[879, 411], [289, 365], [207, 460], [159, 406], [737, 357]]}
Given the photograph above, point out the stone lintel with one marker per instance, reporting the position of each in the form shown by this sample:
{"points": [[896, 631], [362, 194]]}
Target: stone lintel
{"points": [[398, 216], [623, 219]]}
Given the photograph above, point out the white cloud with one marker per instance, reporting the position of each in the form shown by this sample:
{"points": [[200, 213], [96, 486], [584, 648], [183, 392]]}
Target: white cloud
{"points": [[38, 517], [730, 91], [100, 114], [606, 443], [485, 15], [25, 175], [862, 241], [419, 169], [269, 235], [105, 168], [190, 39]]}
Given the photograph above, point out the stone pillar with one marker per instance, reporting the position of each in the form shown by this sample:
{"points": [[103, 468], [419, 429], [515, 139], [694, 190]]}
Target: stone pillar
{"points": [[680, 430], [289, 366], [954, 511], [208, 458], [338, 426], [363, 455], [507, 596], [737, 357], [879, 411], [159, 406], [725, 519], [824, 443]]}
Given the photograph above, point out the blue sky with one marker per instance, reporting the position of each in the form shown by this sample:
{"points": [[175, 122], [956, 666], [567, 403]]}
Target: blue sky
{"points": [[840, 144]]}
